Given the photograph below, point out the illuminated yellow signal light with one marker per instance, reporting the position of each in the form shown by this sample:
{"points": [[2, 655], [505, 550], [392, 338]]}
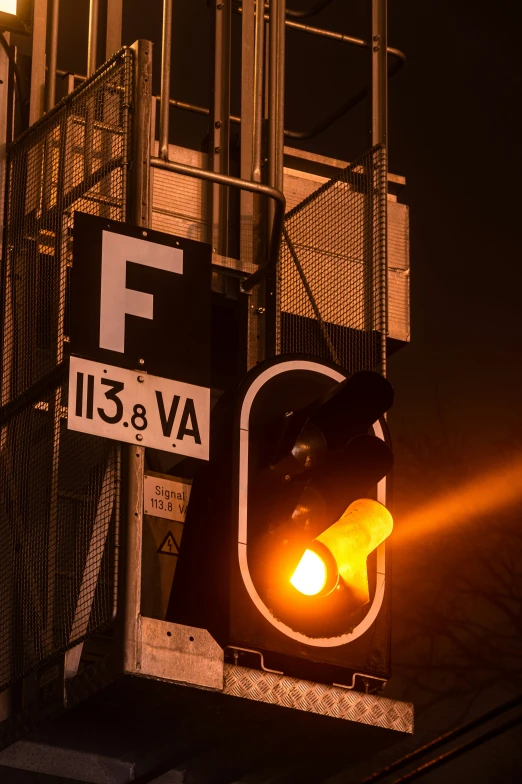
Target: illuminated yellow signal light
{"points": [[310, 576], [339, 554]]}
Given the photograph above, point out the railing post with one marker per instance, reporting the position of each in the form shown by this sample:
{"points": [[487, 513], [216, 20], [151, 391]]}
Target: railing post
{"points": [[37, 103], [114, 26], [379, 72], [379, 180], [220, 130], [166, 50], [135, 455]]}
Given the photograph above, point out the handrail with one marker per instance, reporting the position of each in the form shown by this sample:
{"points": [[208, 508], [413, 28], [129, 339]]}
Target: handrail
{"points": [[323, 124], [246, 185], [309, 134], [346, 39]]}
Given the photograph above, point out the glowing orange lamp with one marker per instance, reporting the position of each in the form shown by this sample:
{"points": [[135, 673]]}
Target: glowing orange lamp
{"points": [[339, 554]]}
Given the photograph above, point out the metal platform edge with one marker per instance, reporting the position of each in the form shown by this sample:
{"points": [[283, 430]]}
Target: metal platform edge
{"points": [[318, 698]]}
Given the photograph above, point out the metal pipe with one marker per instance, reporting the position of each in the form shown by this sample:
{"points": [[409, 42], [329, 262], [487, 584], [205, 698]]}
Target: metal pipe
{"points": [[379, 76], [220, 130], [346, 39], [92, 48], [68, 82], [114, 25], [247, 185], [258, 95], [166, 50], [379, 72], [134, 456], [37, 102], [276, 94], [309, 134], [50, 98], [252, 209]]}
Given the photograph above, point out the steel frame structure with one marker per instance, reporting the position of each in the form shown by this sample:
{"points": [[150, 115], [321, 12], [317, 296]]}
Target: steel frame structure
{"points": [[261, 225]]}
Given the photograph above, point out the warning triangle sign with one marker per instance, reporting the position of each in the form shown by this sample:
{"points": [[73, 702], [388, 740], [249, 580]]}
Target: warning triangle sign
{"points": [[169, 546]]}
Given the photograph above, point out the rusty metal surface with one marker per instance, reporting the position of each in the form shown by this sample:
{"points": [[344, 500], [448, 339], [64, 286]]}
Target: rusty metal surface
{"points": [[318, 698]]}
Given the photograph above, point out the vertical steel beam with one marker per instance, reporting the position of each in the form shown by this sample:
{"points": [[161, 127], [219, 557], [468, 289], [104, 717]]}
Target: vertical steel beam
{"points": [[379, 73], [276, 105], [379, 58], [166, 50], [4, 118], [252, 245], [252, 46], [6, 618], [67, 83], [135, 455], [142, 100], [37, 102], [220, 131], [92, 47], [114, 27], [50, 99], [276, 96]]}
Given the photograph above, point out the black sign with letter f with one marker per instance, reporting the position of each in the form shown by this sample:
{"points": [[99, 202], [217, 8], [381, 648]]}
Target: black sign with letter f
{"points": [[140, 299]]}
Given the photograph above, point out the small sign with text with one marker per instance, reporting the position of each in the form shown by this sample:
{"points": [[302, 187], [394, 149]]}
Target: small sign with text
{"points": [[164, 497]]}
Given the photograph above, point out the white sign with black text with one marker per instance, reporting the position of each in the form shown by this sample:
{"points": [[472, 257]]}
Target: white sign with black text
{"points": [[138, 408], [167, 498]]}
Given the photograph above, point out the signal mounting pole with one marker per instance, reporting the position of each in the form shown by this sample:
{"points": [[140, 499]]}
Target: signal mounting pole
{"points": [[139, 193], [379, 72], [379, 109]]}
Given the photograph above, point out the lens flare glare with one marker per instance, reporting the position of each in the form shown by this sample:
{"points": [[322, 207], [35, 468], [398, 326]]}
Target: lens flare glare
{"points": [[310, 576]]}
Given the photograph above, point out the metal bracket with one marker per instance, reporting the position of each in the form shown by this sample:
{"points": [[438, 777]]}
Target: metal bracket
{"points": [[236, 649], [182, 654]]}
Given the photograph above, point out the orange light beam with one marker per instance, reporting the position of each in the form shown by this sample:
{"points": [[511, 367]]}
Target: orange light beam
{"points": [[495, 490]]}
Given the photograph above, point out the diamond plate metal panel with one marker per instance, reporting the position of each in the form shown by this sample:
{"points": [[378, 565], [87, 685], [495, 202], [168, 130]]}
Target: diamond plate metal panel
{"points": [[318, 698]]}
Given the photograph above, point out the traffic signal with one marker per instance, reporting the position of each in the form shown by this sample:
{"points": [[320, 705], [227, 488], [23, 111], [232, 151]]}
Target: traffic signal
{"points": [[282, 550]]}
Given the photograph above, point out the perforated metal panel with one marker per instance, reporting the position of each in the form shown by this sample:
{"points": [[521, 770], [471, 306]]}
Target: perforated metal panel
{"points": [[332, 273], [58, 489]]}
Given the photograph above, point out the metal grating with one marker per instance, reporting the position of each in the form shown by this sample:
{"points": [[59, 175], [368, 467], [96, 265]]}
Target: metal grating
{"points": [[332, 272], [58, 488]]}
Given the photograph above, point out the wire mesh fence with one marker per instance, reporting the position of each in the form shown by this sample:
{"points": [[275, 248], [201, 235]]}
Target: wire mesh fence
{"points": [[75, 158], [58, 511], [58, 488], [332, 271]]}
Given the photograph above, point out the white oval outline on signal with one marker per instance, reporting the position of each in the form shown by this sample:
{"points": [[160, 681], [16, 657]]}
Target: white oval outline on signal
{"points": [[320, 642]]}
